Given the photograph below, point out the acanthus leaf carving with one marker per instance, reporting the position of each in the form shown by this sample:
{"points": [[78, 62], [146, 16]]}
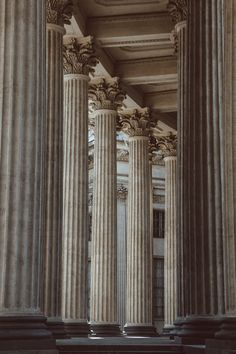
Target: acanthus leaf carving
{"points": [[177, 10], [106, 93], [79, 55], [59, 12], [137, 122]]}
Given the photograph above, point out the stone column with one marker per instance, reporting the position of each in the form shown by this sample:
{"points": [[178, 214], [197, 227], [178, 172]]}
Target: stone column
{"points": [[202, 256], [22, 102], [167, 147], [178, 12], [79, 60], [106, 96], [228, 328], [121, 253], [136, 125], [58, 13]]}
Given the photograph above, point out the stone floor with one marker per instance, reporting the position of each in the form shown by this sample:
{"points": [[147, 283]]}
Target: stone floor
{"points": [[119, 345]]}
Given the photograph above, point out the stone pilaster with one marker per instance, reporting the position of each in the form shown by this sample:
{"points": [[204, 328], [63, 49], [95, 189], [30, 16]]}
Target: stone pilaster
{"points": [[106, 96], [201, 255], [58, 13], [167, 147], [79, 59], [22, 101], [136, 124]]}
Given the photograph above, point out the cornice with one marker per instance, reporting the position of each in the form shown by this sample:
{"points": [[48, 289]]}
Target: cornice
{"points": [[106, 93], [59, 12], [78, 55]]}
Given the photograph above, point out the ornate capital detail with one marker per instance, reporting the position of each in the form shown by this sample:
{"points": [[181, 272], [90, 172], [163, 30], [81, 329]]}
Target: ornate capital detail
{"points": [[122, 155], [160, 199], [167, 145], [78, 55], [122, 192], [59, 12], [137, 122], [177, 10], [106, 93]]}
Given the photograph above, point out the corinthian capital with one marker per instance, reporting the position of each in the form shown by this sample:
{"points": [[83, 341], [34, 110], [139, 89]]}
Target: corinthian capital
{"points": [[167, 145], [178, 10], [59, 12], [137, 122], [78, 55], [106, 93]]}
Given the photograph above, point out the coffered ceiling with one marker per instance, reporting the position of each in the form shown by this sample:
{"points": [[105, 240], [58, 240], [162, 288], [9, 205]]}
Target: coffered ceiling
{"points": [[133, 42]]}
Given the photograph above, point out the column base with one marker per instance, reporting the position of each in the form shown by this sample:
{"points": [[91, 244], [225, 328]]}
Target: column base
{"points": [[195, 330], [77, 329], [57, 328], [140, 331], [227, 329], [168, 331], [25, 333], [105, 330]]}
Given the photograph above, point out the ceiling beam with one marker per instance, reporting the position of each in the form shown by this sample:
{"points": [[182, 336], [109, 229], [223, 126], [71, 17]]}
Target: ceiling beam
{"points": [[130, 25], [147, 71], [162, 101]]}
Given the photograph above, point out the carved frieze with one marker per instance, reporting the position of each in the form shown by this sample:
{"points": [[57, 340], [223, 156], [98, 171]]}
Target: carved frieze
{"points": [[59, 12], [79, 55], [106, 93], [137, 122]]}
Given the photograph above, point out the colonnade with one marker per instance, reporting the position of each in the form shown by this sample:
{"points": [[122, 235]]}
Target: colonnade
{"points": [[44, 183]]}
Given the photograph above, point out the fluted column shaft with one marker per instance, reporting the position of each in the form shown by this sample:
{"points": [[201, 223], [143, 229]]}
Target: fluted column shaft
{"points": [[228, 327], [22, 85], [139, 242], [203, 294], [53, 174], [170, 258], [182, 42], [229, 156], [104, 229], [54, 168], [75, 217]]}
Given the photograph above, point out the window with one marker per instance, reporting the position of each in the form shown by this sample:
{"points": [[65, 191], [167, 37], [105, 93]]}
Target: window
{"points": [[158, 288], [158, 223]]}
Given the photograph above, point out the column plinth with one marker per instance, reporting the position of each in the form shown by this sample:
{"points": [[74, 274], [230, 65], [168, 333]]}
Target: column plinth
{"points": [[22, 77], [136, 125], [106, 95], [58, 13], [79, 59]]}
